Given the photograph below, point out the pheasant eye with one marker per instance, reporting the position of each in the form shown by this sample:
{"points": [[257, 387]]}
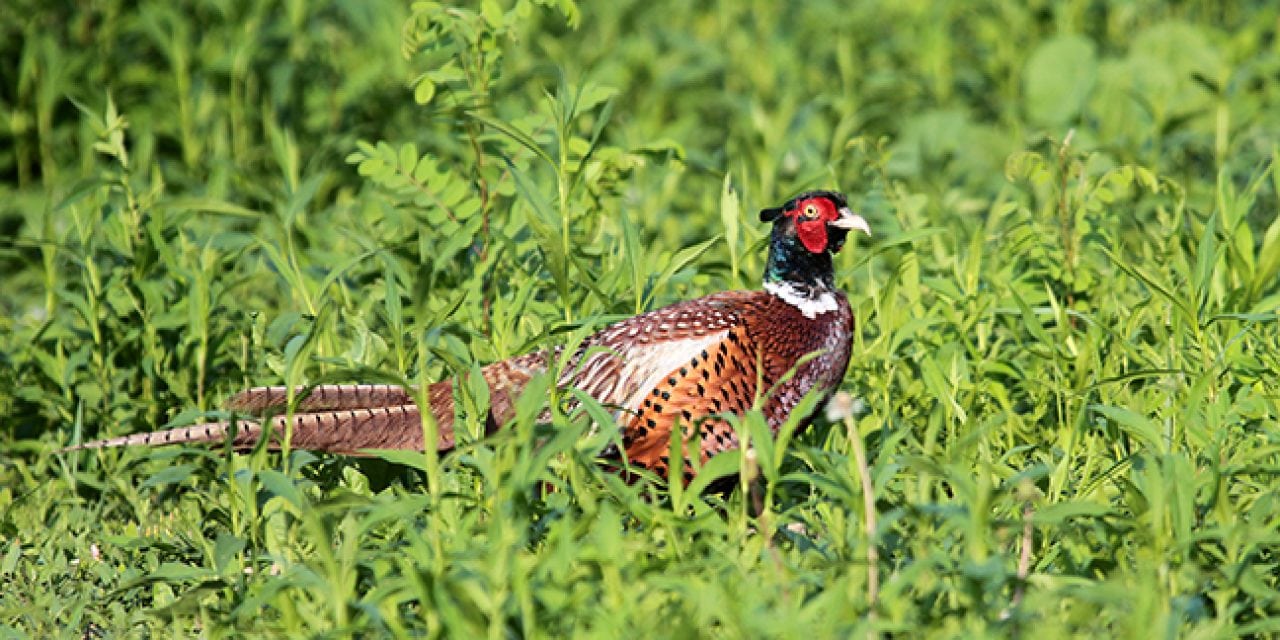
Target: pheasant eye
{"points": [[810, 212]]}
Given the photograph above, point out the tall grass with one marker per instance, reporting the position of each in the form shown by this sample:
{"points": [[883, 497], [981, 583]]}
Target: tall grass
{"points": [[1064, 371]]}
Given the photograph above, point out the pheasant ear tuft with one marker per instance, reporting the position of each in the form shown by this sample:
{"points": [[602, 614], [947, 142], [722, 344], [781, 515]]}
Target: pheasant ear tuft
{"points": [[771, 214]]}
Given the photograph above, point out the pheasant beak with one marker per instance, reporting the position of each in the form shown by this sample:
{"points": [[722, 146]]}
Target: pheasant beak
{"points": [[849, 221]]}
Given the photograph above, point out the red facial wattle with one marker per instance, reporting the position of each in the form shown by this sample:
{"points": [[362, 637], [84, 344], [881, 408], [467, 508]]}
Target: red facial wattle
{"points": [[811, 217], [813, 234]]}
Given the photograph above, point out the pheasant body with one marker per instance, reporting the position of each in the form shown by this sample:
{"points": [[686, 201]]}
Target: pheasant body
{"points": [[676, 370], [682, 368]]}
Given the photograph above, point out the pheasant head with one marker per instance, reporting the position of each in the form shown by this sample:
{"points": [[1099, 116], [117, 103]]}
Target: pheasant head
{"points": [[807, 230]]}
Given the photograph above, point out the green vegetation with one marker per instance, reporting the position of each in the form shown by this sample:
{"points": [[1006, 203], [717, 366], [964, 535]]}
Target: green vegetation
{"points": [[1067, 313]]}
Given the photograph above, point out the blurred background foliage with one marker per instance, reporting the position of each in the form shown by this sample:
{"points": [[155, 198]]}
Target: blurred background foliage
{"points": [[1067, 311]]}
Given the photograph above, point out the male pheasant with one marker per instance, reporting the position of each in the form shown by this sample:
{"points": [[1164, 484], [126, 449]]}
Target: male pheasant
{"points": [[677, 369]]}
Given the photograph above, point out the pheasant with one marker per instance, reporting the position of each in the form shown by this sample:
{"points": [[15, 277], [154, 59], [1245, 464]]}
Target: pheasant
{"points": [[679, 369]]}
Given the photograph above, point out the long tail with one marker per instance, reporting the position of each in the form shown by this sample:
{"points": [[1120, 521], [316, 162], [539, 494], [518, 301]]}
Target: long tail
{"points": [[346, 419], [348, 431]]}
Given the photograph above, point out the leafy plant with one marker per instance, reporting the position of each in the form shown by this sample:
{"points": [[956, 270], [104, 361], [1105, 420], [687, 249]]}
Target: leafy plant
{"points": [[1061, 412]]}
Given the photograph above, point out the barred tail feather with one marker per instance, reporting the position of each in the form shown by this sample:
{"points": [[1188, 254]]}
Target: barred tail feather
{"points": [[348, 431], [205, 432], [325, 397], [352, 431]]}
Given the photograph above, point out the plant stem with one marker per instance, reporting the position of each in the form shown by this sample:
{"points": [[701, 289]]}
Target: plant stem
{"points": [[869, 512]]}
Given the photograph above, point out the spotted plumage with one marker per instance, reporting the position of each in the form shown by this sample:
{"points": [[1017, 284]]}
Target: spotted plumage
{"points": [[675, 371]]}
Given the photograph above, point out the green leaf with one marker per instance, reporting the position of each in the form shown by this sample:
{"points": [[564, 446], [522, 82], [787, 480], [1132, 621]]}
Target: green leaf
{"points": [[1268, 258], [1179, 304], [399, 456], [681, 260], [225, 549], [1140, 427], [492, 12], [1206, 260], [1057, 79], [168, 476], [524, 139], [722, 465], [211, 205], [280, 485], [1056, 514], [731, 218]]}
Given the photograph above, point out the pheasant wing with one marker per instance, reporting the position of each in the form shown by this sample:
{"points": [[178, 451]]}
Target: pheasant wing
{"points": [[680, 365]]}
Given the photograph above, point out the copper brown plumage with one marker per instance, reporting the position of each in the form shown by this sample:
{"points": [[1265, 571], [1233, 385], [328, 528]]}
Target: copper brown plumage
{"points": [[676, 370]]}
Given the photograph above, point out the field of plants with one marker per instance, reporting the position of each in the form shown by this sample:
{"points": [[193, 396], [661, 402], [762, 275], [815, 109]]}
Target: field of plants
{"points": [[1066, 373]]}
